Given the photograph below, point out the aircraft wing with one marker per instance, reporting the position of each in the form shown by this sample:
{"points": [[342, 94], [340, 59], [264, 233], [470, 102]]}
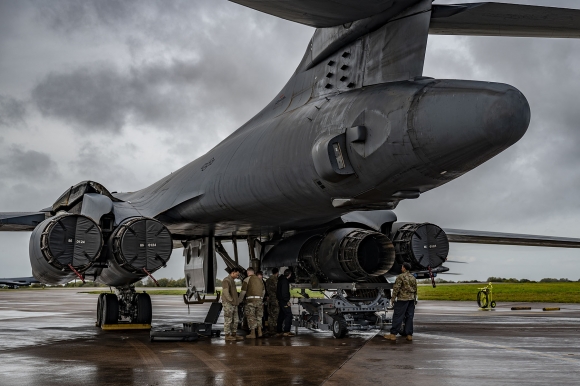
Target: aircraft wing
{"points": [[20, 221], [481, 237], [320, 13], [500, 19]]}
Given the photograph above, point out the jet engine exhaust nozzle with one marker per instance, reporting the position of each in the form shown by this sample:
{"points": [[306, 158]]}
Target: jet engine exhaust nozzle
{"points": [[61, 242], [348, 254], [138, 246], [422, 245]]}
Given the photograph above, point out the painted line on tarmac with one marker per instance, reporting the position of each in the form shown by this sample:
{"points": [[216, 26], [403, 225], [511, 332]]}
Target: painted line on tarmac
{"points": [[148, 356], [213, 364], [493, 345]]}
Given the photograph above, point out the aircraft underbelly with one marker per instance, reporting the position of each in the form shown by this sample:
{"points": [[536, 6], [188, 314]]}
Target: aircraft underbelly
{"points": [[417, 136]]}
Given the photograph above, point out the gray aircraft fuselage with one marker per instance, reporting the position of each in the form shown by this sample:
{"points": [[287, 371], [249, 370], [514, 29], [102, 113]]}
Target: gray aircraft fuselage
{"points": [[420, 135]]}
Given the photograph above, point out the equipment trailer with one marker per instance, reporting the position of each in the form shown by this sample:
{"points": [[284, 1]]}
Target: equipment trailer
{"points": [[353, 306]]}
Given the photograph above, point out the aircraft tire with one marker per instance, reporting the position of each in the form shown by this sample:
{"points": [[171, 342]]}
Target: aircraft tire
{"points": [[482, 299], [100, 309], [110, 309], [144, 309], [339, 327]]}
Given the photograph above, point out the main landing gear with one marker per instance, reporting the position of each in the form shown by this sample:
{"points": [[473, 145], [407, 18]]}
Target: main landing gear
{"points": [[124, 307]]}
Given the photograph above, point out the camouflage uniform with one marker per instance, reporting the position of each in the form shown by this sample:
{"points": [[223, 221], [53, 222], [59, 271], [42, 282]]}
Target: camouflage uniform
{"points": [[253, 310], [230, 305], [273, 308], [405, 287], [404, 290]]}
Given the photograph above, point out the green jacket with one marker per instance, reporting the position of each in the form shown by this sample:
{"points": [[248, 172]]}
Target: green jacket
{"points": [[271, 288], [405, 287]]}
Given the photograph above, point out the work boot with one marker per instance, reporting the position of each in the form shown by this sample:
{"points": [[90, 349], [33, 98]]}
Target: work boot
{"points": [[260, 331], [288, 334], [252, 334], [390, 337], [230, 337], [238, 337], [409, 338]]}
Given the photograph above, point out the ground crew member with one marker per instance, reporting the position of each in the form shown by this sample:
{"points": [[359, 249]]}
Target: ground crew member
{"points": [[260, 274], [230, 305], [273, 309], [283, 295], [405, 291], [253, 289]]}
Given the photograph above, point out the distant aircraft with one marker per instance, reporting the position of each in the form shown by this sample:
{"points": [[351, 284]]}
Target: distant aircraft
{"points": [[312, 180], [15, 282]]}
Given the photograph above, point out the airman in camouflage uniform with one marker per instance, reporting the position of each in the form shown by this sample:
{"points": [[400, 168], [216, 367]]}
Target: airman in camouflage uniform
{"points": [[253, 289], [273, 308], [230, 306], [405, 291]]}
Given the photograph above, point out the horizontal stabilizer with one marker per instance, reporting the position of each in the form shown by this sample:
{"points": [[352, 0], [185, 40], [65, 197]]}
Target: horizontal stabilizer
{"points": [[320, 13], [500, 19], [481, 237], [20, 221]]}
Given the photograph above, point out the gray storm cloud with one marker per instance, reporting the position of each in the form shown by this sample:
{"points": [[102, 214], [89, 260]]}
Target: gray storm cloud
{"points": [[125, 92], [12, 112]]}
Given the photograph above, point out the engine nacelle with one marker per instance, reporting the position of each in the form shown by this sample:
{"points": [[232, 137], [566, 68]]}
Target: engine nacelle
{"points": [[139, 245], [422, 245], [341, 255], [63, 244]]}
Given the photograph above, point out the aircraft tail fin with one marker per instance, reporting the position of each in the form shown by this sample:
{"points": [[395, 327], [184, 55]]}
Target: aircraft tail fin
{"points": [[501, 19]]}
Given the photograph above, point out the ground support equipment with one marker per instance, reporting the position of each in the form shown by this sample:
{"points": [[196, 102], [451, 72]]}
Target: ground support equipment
{"points": [[344, 311], [192, 330], [485, 298]]}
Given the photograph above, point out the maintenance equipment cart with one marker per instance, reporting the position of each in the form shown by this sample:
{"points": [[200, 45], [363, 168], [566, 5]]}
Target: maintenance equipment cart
{"points": [[485, 298], [352, 306]]}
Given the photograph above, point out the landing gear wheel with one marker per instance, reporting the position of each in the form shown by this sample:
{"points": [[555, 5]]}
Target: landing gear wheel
{"points": [[492, 304], [482, 300], [100, 310], [339, 328], [144, 309], [110, 309]]}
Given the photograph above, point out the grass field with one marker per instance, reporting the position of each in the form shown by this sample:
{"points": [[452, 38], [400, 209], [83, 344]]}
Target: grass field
{"points": [[502, 292], [506, 292]]}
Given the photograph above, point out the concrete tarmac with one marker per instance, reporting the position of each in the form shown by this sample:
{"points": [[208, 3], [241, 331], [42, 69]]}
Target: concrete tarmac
{"points": [[47, 337]]}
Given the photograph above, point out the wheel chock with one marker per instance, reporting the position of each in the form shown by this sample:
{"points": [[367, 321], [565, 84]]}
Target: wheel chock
{"points": [[551, 309], [521, 308]]}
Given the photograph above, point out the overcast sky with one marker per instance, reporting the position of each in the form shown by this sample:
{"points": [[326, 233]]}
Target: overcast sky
{"points": [[124, 92]]}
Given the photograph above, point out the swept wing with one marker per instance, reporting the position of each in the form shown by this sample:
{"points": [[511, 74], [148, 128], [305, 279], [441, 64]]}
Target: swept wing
{"points": [[20, 221], [500, 19], [482, 237]]}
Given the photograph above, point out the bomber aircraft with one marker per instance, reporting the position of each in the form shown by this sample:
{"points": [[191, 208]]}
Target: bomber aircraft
{"points": [[312, 181], [15, 282]]}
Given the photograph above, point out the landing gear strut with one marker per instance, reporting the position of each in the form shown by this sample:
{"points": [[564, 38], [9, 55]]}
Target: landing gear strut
{"points": [[127, 306]]}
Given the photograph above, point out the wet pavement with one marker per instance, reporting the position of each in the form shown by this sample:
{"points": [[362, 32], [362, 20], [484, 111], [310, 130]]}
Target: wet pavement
{"points": [[48, 337]]}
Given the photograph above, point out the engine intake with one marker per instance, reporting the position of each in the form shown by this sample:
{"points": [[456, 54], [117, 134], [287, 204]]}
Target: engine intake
{"points": [[139, 245], [422, 245], [63, 244]]}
